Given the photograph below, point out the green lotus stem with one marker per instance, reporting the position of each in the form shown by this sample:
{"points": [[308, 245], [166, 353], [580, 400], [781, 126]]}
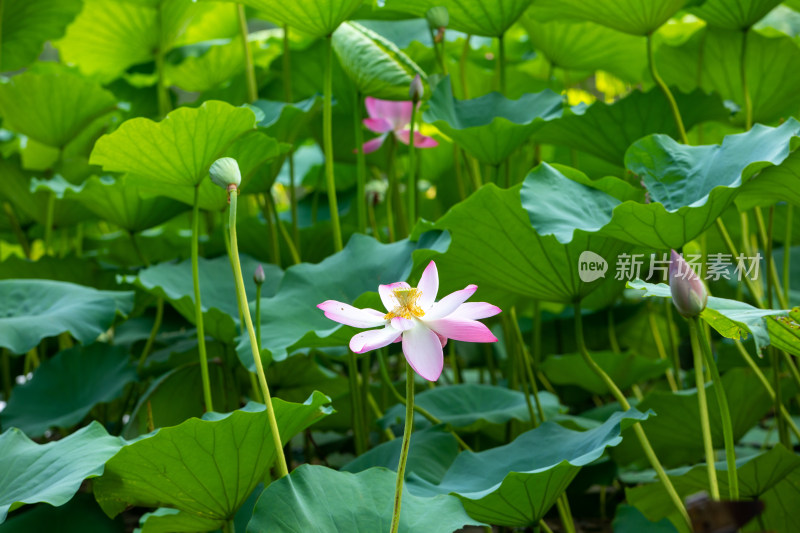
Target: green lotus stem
{"points": [[708, 445], [676, 114], [391, 190], [526, 363], [15, 226], [363, 383], [773, 280], [327, 126], [673, 344], [361, 167], [258, 316], [502, 62], [275, 248], [229, 526], [776, 376], [401, 467], [438, 53], [198, 306], [454, 363], [724, 410], [355, 400], [273, 210], [748, 104], [151, 339], [412, 171], [662, 352], [49, 215], [287, 90], [612, 332], [462, 62], [765, 383], [378, 414], [249, 69], [787, 251], [755, 292], [262, 378], [387, 381], [637, 427]]}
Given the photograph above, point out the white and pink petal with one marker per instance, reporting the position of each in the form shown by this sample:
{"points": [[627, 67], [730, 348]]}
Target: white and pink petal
{"points": [[374, 339], [423, 350], [462, 330], [474, 311], [428, 286], [352, 316], [450, 303]]}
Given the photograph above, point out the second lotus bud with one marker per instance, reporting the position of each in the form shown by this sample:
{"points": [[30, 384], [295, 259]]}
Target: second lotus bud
{"points": [[689, 293], [225, 173]]}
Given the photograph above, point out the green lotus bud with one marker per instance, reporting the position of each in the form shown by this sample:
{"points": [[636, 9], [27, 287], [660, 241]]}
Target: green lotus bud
{"points": [[416, 90], [438, 17], [259, 276], [225, 173], [689, 294]]}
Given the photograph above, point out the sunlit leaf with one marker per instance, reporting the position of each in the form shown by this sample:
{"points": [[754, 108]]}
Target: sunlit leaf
{"points": [[477, 17], [316, 18], [27, 24], [734, 14]]}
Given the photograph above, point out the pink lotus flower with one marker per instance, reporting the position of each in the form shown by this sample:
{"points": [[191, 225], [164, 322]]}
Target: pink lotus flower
{"points": [[689, 294], [385, 117], [414, 317]]}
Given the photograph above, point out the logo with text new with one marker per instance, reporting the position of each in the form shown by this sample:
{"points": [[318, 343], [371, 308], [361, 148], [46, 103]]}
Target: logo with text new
{"points": [[591, 267]]}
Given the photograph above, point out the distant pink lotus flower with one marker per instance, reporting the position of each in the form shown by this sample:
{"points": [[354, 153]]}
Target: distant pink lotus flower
{"points": [[414, 317], [385, 117]]}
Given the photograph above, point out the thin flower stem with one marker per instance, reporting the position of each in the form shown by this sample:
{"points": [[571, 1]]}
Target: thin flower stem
{"points": [[387, 381], [748, 103], [673, 105], [708, 445], [249, 69], [287, 89], [401, 467], [637, 427], [755, 292], [787, 251], [282, 229], [378, 414], [773, 281], [48, 220], [724, 410], [361, 167], [327, 132], [765, 383], [262, 378], [526, 363], [355, 400], [783, 434], [198, 306], [462, 62], [258, 315], [14, 221], [391, 190], [662, 353], [269, 218], [412, 171], [153, 332], [673, 343]]}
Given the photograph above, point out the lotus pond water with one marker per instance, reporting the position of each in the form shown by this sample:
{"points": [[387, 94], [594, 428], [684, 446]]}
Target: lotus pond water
{"points": [[387, 266]]}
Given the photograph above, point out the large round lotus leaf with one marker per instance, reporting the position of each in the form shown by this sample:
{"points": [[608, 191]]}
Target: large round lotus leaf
{"points": [[490, 18], [734, 14], [316, 18], [637, 17], [491, 127], [320, 499], [35, 309], [625, 369], [516, 484], [470, 407], [172, 157], [688, 186], [376, 66], [28, 24], [65, 388], [772, 476], [54, 107], [205, 468], [51, 472]]}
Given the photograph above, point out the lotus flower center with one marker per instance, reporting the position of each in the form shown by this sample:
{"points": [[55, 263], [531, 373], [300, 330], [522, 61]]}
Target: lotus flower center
{"points": [[406, 304]]}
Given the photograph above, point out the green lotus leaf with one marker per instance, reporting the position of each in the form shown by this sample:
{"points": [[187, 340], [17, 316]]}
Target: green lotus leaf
{"points": [[730, 318], [52, 107], [770, 476], [772, 63], [109, 36], [28, 24], [689, 187], [51, 472], [116, 200], [35, 309], [636, 17], [78, 515], [772, 185], [625, 369], [317, 18], [173, 282], [471, 407], [206, 468], [784, 332], [290, 319], [172, 157], [516, 484], [491, 127], [675, 433], [586, 46], [81, 271], [377, 67], [65, 388], [490, 18], [316, 498], [607, 130], [733, 14], [431, 452]]}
